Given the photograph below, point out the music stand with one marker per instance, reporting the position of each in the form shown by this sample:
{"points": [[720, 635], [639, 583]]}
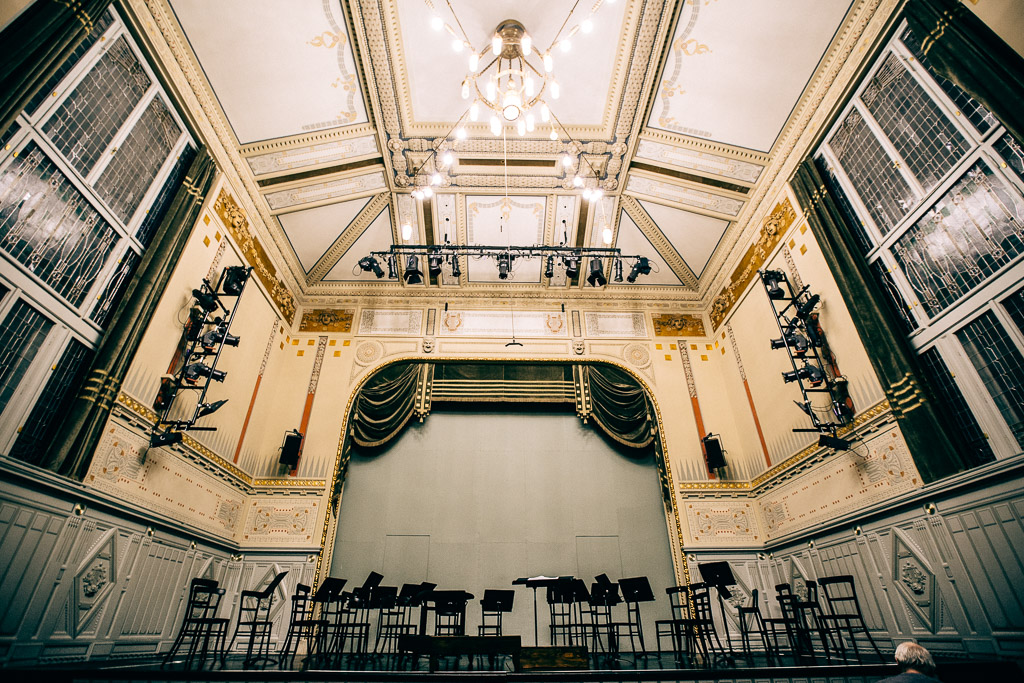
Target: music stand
{"points": [[536, 582], [635, 590], [329, 590], [719, 575]]}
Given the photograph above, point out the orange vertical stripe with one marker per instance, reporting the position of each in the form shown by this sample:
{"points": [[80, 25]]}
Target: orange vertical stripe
{"points": [[757, 424], [302, 427], [248, 414], [701, 434]]}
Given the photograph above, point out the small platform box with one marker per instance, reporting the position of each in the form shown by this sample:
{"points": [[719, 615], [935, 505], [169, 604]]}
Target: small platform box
{"points": [[553, 658]]}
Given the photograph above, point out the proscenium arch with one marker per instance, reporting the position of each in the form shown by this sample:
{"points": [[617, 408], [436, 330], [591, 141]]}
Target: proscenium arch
{"points": [[680, 565]]}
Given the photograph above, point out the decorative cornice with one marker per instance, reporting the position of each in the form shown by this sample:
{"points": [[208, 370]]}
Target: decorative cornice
{"points": [[656, 237]]}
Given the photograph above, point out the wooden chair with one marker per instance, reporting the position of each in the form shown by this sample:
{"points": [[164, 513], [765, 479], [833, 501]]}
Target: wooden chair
{"points": [[561, 611], [200, 623], [844, 614], [254, 622], [680, 629], [450, 612], [604, 596], [752, 623], [634, 591], [303, 624], [493, 605]]}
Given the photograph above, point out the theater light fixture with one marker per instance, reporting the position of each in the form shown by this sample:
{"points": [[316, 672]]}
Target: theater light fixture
{"points": [[596, 277], [641, 267], [208, 408], [369, 264], [772, 283], [412, 275], [168, 438]]}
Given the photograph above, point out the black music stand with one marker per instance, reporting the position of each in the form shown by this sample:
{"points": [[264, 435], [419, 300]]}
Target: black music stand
{"points": [[635, 590], [719, 575], [536, 582]]}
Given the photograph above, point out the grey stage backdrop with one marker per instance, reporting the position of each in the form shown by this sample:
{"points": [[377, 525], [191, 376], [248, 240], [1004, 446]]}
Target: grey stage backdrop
{"points": [[473, 500]]}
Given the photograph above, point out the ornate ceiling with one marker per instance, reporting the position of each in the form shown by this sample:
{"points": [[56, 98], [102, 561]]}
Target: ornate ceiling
{"points": [[685, 110]]}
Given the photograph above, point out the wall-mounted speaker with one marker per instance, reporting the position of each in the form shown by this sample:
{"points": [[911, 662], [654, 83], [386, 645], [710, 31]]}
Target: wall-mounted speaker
{"points": [[713, 451], [290, 449]]}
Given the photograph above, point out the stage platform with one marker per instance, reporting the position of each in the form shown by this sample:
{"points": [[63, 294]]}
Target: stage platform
{"points": [[384, 668]]}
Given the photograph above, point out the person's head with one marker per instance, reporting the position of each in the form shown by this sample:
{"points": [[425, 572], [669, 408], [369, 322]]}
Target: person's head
{"points": [[913, 657]]}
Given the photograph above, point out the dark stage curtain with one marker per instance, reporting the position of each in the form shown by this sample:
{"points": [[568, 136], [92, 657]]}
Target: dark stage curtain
{"points": [[385, 404], [960, 47], [894, 362], [81, 429], [619, 406], [35, 44]]}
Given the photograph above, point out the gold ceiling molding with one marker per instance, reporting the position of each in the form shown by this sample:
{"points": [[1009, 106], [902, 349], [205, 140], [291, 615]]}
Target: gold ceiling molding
{"points": [[326, 320], [705, 146], [308, 139], [685, 194], [679, 324], [237, 225], [346, 239], [657, 238], [774, 227], [865, 25]]}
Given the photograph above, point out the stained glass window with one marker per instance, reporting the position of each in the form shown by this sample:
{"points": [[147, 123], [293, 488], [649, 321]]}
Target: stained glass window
{"points": [[1014, 305], [22, 334], [115, 288], [50, 227], [53, 402], [87, 121], [953, 405], [885, 193], [1011, 152], [970, 233], [1001, 367]]}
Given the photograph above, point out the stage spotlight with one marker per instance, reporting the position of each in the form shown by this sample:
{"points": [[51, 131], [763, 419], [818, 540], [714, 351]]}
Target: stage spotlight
{"points": [[617, 270], [798, 344], [812, 373], [207, 408], [434, 262], [218, 335], [413, 275], [772, 280], [392, 267], [504, 265], [549, 269], [833, 442], [234, 279], [596, 277], [168, 438], [194, 326], [572, 266], [196, 370], [208, 301], [806, 307], [371, 265], [456, 269], [641, 267]]}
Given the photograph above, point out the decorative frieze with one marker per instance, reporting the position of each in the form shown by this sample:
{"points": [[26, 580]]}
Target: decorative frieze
{"points": [[503, 324], [615, 325], [374, 321]]}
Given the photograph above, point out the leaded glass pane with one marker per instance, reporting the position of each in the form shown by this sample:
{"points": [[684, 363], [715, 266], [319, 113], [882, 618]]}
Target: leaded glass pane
{"points": [[37, 431], [928, 142], [134, 167], [1014, 305], [47, 225], [953, 406], [22, 334], [980, 117], [1012, 153], [3, 291], [159, 208], [1001, 367], [99, 28], [972, 232], [837, 192], [86, 122], [883, 190], [114, 290], [897, 304], [8, 136]]}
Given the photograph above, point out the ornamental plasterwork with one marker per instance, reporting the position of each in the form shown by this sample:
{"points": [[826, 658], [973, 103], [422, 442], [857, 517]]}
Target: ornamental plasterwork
{"points": [[324, 153], [684, 196], [326, 320], [674, 324], [340, 188], [377, 21], [612, 325], [694, 160], [380, 321]]}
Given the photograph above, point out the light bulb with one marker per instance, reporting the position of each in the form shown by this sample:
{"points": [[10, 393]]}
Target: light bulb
{"points": [[448, 159], [549, 63], [491, 90], [545, 113], [526, 44], [436, 23], [416, 194], [528, 86], [435, 179], [474, 111], [553, 135], [495, 125], [460, 133], [586, 193], [530, 123], [564, 45], [555, 90], [596, 194], [606, 235], [427, 192], [587, 26], [474, 62], [496, 44], [577, 181], [457, 45], [521, 127], [567, 160], [406, 231], [465, 90]]}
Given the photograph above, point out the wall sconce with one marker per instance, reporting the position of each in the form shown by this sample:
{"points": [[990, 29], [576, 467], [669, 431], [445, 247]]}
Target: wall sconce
{"points": [[192, 545], [237, 558], [810, 544], [78, 509], [857, 530], [762, 556], [149, 531], [930, 508]]}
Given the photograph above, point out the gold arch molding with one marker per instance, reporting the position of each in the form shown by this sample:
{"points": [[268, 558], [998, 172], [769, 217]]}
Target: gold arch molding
{"points": [[327, 538]]}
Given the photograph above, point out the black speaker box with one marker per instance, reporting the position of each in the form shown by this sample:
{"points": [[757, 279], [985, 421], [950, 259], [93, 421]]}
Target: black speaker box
{"points": [[290, 450], [713, 448]]}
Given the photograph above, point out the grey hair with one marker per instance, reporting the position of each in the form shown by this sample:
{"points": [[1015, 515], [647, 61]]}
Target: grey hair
{"points": [[913, 656]]}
